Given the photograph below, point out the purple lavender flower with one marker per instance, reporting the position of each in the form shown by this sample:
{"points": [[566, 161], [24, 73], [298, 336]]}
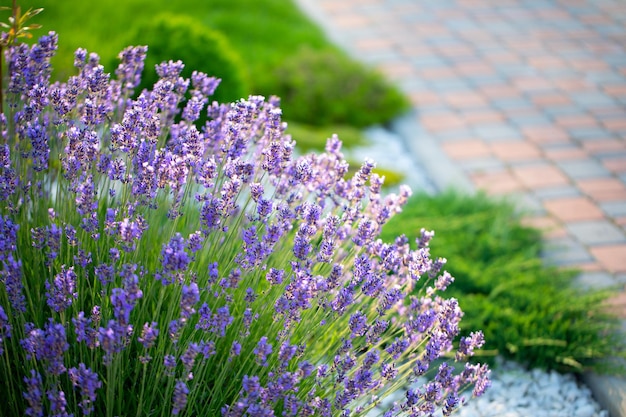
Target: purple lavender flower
{"points": [[8, 236], [34, 394], [376, 330], [275, 276], [48, 344], [195, 241], [122, 304], [216, 322], [169, 361], [451, 404], [58, 403], [87, 382], [130, 68], [149, 333], [81, 326], [62, 291], [113, 339], [207, 349], [105, 274], [479, 375], [188, 358], [174, 330], [397, 347], [179, 398], [235, 350], [467, 345], [8, 177], [11, 276], [262, 350], [358, 324], [190, 297], [174, 260], [5, 329], [388, 371], [286, 353], [443, 281]]}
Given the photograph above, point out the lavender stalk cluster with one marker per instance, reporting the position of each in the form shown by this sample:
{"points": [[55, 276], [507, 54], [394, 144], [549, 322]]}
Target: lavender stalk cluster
{"points": [[151, 265]]}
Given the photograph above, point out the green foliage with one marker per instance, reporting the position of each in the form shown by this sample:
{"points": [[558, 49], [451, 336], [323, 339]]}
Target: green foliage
{"points": [[327, 87], [313, 138], [265, 33], [528, 311], [179, 37]]}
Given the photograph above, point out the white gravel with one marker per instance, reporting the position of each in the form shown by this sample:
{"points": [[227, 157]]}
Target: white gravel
{"points": [[519, 393], [516, 392]]}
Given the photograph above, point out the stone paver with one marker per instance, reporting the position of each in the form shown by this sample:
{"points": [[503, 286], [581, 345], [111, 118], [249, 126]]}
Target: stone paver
{"points": [[521, 97]]}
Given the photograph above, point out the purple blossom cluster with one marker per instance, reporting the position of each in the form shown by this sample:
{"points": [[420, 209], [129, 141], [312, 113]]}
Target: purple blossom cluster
{"points": [[212, 249]]}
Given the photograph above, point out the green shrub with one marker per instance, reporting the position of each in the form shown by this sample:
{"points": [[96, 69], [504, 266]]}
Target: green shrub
{"points": [[323, 86], [178, 37], [528, 311]]}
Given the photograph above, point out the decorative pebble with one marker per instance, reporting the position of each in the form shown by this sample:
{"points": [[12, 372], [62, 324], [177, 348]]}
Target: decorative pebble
{"points": [[516, 392]]}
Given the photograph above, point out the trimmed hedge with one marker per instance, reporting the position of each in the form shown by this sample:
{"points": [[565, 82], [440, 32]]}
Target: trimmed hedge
{"points": [[177, 37], [327, 87]]}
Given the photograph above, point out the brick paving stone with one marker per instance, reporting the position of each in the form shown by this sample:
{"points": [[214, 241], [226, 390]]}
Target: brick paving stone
{"points": [[599, 146], [499, 131], [396, 70], [442, 122], [481, 165], [351, 21], [545, 134], [550, 99], [603, 189], [615, 90], [549, 227], [539, 176], [614, 208], [562, 153], [566, 251], [525, 118], [480, 116], [612, 257], [466, 149], [589, 134], [576, 121], [591, 266], [616, 304], [499, 182], [550, 193], [571, 209], [596, 232], [467, 99], [499, 91], [373, 44], [515, 150], [583, 168], [595, 280], [616, 165], [512, 105], [615, 124]]}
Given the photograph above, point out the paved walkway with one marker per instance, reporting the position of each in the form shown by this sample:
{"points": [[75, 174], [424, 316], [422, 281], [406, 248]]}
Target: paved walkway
{"points": [[521, 97], [526, 98]]}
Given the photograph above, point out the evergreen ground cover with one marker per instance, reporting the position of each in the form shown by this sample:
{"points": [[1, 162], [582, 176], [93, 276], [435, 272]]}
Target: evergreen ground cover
{"points": [[529, 312]]}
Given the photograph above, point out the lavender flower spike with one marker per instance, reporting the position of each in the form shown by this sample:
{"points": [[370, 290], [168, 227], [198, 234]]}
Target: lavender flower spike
{"points": [[62, 292]]}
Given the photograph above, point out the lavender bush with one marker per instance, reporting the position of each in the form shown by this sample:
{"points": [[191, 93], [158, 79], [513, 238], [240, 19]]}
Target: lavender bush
{"points": [[153, 267]]}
